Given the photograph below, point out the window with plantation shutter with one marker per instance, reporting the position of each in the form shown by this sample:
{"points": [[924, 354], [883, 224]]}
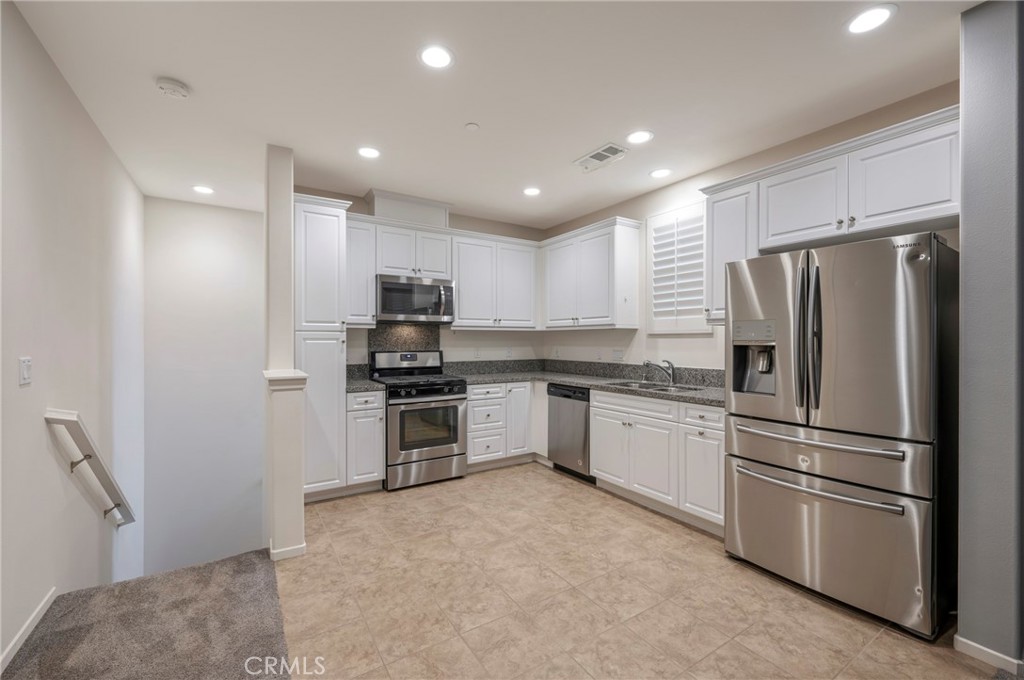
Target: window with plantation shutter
{"points": [[675, 268]]}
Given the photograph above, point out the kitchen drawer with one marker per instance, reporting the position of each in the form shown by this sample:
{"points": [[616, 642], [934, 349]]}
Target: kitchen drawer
{"points": [[492, 391], [365, 401], [486, 415], [486, 446], [704, 416], [641, 406]]}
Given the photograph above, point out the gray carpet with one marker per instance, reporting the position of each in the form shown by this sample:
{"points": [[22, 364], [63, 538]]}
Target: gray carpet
{"points": [[198, 623]]}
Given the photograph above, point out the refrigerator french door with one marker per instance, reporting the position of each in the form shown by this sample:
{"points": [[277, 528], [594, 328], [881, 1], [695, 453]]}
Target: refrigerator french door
{"points": [[841, 439]]}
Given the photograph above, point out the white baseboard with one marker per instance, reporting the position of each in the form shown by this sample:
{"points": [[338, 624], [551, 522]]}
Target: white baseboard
{"points": [[991, 657], [26, 629], [284, 553]]}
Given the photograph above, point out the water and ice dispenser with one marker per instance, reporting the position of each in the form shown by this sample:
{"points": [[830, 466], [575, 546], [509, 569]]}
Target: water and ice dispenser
{"points": [[753, 356]]}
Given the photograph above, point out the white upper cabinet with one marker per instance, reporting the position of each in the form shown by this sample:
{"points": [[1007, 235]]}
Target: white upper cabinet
{"points": [[396, 251], [321, 299], [561, 263], [493, 284], [595, 276], [730, 235], [593, 279], [361, 273], [517, 277], [433, 255], [908, 179], [475, 283], [409, 252], [804, 204]]}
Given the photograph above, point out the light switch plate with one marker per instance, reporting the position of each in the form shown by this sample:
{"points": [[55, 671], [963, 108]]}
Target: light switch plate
{"points": [[24, 370]]}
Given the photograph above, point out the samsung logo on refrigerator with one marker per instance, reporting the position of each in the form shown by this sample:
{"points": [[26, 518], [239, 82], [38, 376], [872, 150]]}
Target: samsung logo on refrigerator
{"points": [[897, 246]]}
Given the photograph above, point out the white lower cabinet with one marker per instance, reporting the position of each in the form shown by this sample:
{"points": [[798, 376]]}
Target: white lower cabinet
{"points": [[658, 457], [702, 472], [322, 356], [654, 459], [609, 446], [365, 446], [498, 421]]}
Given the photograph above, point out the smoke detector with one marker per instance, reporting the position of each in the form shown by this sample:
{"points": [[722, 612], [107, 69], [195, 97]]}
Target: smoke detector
{"points": [[604, 155], [175, 89]]}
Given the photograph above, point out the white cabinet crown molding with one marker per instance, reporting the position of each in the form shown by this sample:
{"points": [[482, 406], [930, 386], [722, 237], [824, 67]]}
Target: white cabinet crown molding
{"points": [[596, 226], [308, 199], [948, 114], [374, 220]]}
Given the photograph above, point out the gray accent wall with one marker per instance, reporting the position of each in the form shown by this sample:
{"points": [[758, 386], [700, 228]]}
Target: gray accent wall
{"points": [[991, 481]]}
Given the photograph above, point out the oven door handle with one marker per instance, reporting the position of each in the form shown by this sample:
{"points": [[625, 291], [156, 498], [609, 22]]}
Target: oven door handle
{"points": [[838, 497], [401, 401]]}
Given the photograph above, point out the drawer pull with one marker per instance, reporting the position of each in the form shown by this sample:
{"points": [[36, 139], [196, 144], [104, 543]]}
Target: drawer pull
{"points": [[890, 454], [828, 495], [701, 416]]}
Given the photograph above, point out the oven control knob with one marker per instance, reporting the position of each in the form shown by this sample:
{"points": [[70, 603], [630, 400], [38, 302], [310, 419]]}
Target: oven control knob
{"points": [[447, 389], [412, 391], [402, 393]]}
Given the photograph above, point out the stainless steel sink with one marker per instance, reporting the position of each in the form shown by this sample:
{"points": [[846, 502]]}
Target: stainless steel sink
{"points": [[653, 386]]}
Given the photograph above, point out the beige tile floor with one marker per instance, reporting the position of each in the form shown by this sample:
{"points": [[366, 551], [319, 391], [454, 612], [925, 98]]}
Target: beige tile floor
{"points": [[524, 573]]}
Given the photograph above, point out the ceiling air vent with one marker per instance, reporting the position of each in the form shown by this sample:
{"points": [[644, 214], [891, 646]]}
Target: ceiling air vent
{"points": [[600, 157]]}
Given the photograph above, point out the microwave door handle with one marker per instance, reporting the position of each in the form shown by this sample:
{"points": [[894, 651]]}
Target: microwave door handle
{"points": [[443, 301], [800, 358]]}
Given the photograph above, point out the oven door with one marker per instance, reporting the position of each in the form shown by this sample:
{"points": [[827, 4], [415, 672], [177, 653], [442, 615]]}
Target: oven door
{"points": [[409, 298], [424, 430]]}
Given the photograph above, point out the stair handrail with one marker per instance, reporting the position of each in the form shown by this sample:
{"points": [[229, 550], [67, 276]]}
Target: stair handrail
{"points": [[72, 422]]}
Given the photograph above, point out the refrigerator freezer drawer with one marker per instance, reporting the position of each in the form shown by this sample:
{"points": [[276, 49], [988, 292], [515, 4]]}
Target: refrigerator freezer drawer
{"points": [[866, 548], [900, 467]]}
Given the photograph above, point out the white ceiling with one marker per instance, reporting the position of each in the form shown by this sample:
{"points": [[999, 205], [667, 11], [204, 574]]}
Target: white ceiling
{"points": [[547, 82]]}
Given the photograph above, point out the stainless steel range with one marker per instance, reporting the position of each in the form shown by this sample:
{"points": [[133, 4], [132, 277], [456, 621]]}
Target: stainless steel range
{"points": [[426, 423]]}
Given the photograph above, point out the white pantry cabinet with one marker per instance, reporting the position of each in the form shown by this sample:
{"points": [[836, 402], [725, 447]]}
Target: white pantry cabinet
{"points": [[321, 299], [322, 356], [365, 446], [730, 235], [361, 273], [494, 284], [593, 276], [410, 252], [702, 472]]}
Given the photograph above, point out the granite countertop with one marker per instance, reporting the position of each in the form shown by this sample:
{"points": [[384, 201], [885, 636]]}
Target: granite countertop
{"points": [[705, 396]]}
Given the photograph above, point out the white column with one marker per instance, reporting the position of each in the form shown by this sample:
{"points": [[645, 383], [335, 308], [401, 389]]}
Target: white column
{"points": [[283, 516]]}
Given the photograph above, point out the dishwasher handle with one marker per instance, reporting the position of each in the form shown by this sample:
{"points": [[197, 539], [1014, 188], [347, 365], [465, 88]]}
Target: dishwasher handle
{"points": [[568, 392]]}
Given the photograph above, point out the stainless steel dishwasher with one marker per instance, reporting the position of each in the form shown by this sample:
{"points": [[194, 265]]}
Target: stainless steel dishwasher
{"points": [[569, 429]]}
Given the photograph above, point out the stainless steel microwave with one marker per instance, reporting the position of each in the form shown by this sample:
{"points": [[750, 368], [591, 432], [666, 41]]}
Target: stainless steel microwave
{"points": [[415, 300]]}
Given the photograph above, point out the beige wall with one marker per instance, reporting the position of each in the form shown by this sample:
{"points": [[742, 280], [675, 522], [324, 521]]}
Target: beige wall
{"points": [[72, 300], [205, 316], [455, 221]]}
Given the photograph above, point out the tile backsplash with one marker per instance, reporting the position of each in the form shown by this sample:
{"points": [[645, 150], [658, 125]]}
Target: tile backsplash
{"points": [[403, 337]]}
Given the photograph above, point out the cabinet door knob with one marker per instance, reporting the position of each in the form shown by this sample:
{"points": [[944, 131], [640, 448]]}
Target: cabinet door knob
{"points": [[380, 419], [707, 310], [852, 220], [701, 416], [623, 423], [700, 432], [839, 222]]}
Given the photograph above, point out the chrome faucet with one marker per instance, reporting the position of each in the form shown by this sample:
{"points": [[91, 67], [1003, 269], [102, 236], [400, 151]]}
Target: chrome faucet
{"points": [[669, 372]]}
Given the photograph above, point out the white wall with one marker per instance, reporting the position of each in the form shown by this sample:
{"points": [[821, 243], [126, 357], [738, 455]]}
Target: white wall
{"points": [[205, 294], [71, 270]]}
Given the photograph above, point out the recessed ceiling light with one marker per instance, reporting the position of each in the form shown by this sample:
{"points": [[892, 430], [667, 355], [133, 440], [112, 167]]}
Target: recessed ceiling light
{"points": [[436, 56], [200, 189], [872, 18], [369, 152], [640, 137], [658, 174], [472, 127], [531, 191]]}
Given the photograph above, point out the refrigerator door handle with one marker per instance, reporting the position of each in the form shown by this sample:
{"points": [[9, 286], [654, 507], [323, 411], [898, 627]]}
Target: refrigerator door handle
{"points": [[891, 454], [828, 495], [814, 338], [801, 336]]}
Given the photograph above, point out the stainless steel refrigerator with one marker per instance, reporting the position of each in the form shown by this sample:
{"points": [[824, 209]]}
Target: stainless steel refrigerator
{"points": [[841, 433]]}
